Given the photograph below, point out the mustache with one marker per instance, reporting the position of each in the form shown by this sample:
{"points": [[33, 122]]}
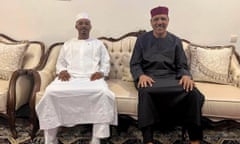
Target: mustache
{"points": [[84, 28], [160, 25]]}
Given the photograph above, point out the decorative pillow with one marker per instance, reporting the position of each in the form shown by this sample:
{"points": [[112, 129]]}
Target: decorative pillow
{"points": [[11, 57], [211, 64], [127, 76]]}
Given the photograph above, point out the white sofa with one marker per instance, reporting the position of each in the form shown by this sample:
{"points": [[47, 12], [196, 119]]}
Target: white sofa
{"points": [[15, 84], [222, 100]]}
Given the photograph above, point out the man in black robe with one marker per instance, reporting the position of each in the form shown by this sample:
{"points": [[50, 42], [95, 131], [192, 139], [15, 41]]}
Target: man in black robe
{"points": [[167, 94]]}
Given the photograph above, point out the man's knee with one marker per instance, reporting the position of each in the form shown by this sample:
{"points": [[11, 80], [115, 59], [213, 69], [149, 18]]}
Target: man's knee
{"points": [[197, 95]]}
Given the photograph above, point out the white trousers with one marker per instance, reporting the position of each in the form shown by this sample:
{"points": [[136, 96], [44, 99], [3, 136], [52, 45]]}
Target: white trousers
{"points": [[99, 131]]}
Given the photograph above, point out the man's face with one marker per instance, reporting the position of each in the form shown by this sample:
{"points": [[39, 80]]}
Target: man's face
{"points": [[159, 24], [83, 26]]}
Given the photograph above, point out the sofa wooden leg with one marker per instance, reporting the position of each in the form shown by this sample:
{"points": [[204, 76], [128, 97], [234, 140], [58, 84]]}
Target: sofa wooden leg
{"points": [[11, 121], [35, 127]]}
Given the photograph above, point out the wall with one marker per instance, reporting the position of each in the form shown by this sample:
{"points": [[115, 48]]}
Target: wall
{"points": [[209, 22]]}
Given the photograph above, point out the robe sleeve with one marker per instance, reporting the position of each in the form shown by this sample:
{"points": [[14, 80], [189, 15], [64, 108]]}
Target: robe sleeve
{"points": [[136, 59], [181, 61], [61, 62], [105, 60]]}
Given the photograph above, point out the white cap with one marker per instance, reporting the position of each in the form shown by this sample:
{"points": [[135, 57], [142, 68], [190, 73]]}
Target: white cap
{"points": [[82, 16]]}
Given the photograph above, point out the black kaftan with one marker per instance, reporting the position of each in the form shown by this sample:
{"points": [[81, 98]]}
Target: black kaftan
{"points": [[166, 102]]}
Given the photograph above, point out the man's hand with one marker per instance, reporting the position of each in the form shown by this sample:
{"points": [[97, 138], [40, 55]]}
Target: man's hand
{"points": [[64, 76], [96, 75], [187, 83], [145, 81]]}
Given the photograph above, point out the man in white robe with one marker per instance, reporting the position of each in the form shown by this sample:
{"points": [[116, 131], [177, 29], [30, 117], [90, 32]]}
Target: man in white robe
{"points": [[79, 94]]}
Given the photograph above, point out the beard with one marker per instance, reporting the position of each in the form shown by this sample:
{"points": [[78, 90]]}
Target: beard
{"points": [[83, 34], [160, 27], [84, 31]]}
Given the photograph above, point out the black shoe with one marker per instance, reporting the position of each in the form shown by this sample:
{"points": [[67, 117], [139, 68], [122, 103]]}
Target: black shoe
{"points": [[105, 141], [181, 142], [156, 142], [132, 141], [59, 142]]}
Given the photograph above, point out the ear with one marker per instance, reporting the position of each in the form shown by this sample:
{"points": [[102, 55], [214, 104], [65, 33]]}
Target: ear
{"points": [[150, 21], [90, 26], [76, 25]]}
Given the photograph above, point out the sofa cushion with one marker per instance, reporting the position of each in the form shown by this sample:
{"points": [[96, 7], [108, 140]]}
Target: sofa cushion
{"points": [[235, 71], [210, 64], [116, 50], [126, 96], [221, 101], [125, 59], [11, 57]]}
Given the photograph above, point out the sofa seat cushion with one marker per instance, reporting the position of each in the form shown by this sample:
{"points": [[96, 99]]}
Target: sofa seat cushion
{"points": [[221, 101], [3, 95], [126, 96]]}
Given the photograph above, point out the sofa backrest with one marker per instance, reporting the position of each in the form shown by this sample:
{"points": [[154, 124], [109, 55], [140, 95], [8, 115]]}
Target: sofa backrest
{"points": [[34, 54], [120, 51], [117, 48], [50, 59]]}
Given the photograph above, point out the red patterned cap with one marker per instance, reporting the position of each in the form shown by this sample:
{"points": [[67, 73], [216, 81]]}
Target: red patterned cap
{"points": [[159, 10]]}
